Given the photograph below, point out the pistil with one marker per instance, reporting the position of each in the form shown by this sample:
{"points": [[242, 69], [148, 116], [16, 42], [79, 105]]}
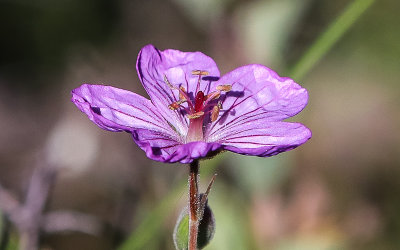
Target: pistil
{"points": [[195, 132]]}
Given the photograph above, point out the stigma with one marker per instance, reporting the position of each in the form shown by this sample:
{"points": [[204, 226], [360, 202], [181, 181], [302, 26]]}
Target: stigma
{"points": [[200, 106]]}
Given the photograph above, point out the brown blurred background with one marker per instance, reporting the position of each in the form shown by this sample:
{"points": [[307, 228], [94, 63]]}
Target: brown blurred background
{"points": [[339, 191]]}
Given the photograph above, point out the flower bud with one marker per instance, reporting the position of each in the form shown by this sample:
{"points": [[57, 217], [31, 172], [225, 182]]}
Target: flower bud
{"points": [[205, 234]]}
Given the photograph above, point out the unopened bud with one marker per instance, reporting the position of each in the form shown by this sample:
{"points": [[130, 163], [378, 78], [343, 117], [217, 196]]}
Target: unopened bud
{"points": [[205, 233]]}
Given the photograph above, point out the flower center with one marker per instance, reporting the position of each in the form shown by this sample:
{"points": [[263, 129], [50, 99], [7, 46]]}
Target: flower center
{"points": [[200, 106]]}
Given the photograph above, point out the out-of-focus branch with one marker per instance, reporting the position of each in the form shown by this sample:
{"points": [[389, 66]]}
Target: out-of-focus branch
{"points": [[31, 214], [29, 219], [8, 203], [42, 180], [67, 221]]}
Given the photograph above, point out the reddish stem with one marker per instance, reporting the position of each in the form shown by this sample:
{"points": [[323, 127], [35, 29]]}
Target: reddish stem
{"points": [[193, 204]]}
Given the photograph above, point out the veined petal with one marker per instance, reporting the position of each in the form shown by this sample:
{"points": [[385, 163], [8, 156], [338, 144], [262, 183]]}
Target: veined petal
{"points": [[162, 148], [257, 93], [120, 110], [153, 65], [264, 138]]}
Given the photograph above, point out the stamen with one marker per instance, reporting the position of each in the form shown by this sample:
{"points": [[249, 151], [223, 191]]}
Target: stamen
{"points": [[176, 105], [213, 95], [195, 115], [168, 83], [215, 113], [183, 97], [225, 88], [181, 93], [200, 72]]}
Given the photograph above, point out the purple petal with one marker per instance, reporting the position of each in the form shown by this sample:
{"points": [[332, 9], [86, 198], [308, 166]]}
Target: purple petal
{"points": [[120, 110], [161, 148], [257, 93], [153, 64], [264, 138]]}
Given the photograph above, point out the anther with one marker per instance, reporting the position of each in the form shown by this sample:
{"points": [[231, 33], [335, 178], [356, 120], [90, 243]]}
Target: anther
{"points": [[176, 105], [199, 73], [225, 88], [215, 113], [195, 115], [213, 95]]}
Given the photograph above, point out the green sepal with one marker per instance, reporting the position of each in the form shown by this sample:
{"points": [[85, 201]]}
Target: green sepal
{"points": [[206, 229], [181, 231]]}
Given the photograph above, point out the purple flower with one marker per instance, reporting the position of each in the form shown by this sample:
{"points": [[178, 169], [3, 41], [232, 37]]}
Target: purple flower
{"points": [[194, 113]]}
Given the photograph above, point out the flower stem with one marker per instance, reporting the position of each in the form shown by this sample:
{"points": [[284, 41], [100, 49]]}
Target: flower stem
{"points": [[193, 204]]}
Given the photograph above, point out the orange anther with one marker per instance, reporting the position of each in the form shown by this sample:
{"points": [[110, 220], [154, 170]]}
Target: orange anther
{"points": [[225, 88], [214, 113], [173, 106], [213, 95], [196, 115], [176, 105], [199, 72]]}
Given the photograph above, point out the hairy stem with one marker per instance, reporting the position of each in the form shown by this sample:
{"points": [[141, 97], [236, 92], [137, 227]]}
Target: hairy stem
{"points": [[193, 204]]}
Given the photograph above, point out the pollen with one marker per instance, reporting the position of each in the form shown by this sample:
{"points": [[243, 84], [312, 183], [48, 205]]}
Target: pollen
{"points": [[215, 113], [213, 95], [225, 88], [196, 115], [200, 73], [176, 105]]}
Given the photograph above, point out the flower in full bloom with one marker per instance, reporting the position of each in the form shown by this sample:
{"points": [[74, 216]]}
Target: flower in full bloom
{"points": [[194, 113]]}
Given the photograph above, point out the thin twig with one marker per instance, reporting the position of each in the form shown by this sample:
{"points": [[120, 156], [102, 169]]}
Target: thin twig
{"points": [[39, 187], [204, 197], [8, 203], [28, 217], [71, 221]]}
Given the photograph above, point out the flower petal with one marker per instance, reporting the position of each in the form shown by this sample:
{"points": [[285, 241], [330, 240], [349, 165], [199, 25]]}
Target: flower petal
{"points": [[153, 64], [120, 110], [161, 148], [263, 138], [257, 93]]}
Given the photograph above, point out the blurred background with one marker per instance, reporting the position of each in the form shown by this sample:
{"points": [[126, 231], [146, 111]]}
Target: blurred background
{"points": [[338, 191]]}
